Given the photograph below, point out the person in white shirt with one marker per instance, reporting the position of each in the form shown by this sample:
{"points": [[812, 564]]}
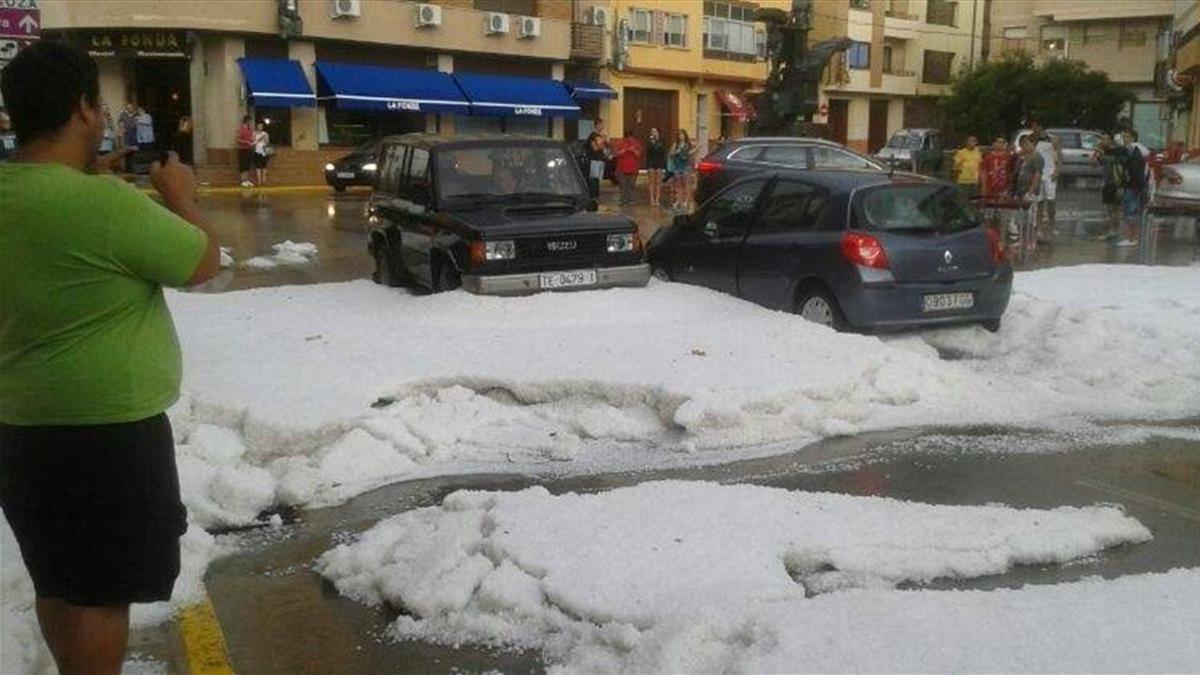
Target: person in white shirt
{"points": [[1044, 146], [262, 152]]}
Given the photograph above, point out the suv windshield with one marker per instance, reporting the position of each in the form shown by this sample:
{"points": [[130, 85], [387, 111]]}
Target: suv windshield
{"points": [[492, 172], [905, 139], [914, 208]]}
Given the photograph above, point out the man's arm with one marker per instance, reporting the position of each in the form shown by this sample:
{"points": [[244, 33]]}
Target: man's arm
{"points": [[176, 183]]}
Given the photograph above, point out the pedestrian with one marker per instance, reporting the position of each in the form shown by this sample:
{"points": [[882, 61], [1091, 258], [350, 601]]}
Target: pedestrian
{"points": [[966, 167], [262, 152], [183, 139], [109, 142], [996, 182], [1134, 190], [89, 360], [8, 140], [127, 121], [245, 157], [656, 163], [1029, 187], [1112, 174], [596, 159], [1044, 145], [144, 130], [679, 163], [629, 163]]}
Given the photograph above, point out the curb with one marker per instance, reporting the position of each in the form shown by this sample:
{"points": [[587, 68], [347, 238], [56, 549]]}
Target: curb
{"points": [[204, 649], [281, 189]]}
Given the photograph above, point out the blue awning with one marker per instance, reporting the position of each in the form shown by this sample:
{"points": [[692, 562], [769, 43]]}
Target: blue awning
{"points": [[508, 96], [590, 91], [277, 82], [385, 88]]}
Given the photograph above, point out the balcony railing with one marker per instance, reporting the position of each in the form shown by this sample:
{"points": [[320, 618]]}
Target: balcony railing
{"points": [[891, 14], [898, 72], [587, 41]]}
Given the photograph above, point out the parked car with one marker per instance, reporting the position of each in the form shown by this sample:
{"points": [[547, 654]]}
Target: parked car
{"points": [[1078, 149], [1178, 188], [915, 149], [856, 250], [745, 156], [357, 168], [494, 214]]}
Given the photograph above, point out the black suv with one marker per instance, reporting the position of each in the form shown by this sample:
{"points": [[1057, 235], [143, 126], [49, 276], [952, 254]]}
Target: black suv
{"points": [[745, 156], [356, 168], [494, 214]]}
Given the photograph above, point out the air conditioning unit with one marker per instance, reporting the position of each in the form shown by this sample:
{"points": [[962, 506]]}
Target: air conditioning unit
{"points": [[428, 15], [531, 27], [598, 16], [345, 9], [495, 23]]}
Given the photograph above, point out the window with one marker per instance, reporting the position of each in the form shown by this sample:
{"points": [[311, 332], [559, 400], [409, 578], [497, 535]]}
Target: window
{"points": [[730, 208], [832, 158], [860, 4], [1089, 141], [937, 67], [858, 57], [1053, 41], [676, 35], [787, 155], [887, 59], [521, 7], [418, 174], [1014, 38], [1132, 36], [1094, 33], [941, 12], [793, 206], [393, 168], [639, 25], [730, 31]]}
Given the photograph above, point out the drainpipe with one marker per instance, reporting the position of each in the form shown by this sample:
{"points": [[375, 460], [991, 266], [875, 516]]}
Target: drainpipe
{"points": [[971, 58]]}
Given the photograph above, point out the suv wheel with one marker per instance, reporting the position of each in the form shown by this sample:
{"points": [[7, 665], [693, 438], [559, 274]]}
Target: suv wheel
{"points": [[448, 278], [660, 273], [385, 272], [991, 325], [815, 304]]}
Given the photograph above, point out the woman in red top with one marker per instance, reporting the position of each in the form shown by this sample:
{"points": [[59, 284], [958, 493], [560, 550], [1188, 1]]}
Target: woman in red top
{"points": [[245, 141], [996, 170], [629, 162]]}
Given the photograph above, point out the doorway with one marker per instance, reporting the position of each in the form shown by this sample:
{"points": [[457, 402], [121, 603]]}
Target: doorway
{"points": [[877, 125], [163, 88], [645, 108], [839, 115]]}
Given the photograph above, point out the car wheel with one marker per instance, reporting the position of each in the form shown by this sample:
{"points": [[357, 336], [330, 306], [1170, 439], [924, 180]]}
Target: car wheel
{"points": [[818, 306], [448, 278], [991, 325], [385, 273], [660, 273]]}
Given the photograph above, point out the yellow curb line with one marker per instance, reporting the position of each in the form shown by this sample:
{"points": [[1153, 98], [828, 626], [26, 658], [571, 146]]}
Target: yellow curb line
{"points": [[254, 191], [203, 643]]}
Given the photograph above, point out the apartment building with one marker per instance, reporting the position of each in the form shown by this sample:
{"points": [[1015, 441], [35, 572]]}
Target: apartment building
{"points": [[904, 55], [1180, 81], [1127, 39], [327, 73]]}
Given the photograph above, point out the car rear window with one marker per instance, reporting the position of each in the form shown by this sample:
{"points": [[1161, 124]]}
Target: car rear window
{"points": [[913, 208]]}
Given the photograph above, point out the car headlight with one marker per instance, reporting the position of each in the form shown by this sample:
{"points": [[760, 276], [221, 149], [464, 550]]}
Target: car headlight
{"points": [[500, 250], [620, 243], [369, 166], [329, 166]]}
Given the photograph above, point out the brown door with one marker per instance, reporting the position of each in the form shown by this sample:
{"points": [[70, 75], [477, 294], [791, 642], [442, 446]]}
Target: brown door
{"points": [[645, 108], [877, 129], [839, 114]]}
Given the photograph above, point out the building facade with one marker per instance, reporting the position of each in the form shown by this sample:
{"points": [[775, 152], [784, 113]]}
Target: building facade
{"points": [[1129, 40], [1180, 80], [904, 55]]}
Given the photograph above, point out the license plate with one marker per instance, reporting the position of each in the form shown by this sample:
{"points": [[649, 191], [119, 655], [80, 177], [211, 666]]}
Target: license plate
{"points": [[345, 174], [940, 302], [567, 279]]}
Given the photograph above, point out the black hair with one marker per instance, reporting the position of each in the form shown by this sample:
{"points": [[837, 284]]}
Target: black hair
{"points": [[245, 119], [1133, 135], [44, 85]]}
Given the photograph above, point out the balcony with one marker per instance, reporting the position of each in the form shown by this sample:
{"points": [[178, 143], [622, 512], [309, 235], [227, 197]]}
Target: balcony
{"points": [[587, 42], [902, 16], [897, 72]]}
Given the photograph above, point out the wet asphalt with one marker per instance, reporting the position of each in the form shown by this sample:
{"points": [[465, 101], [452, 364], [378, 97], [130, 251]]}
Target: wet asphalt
{"points": [[278, 616]]}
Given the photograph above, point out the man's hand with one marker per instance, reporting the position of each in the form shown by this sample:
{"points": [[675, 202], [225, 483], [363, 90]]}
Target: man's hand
{"points": [[105, 163], [175, 181]]}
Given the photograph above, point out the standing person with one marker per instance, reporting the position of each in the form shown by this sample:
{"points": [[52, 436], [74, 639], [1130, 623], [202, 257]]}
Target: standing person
{"points": [[109, 142], [1044, 146], [144, 129], [656, 163], [8, 140], [183, 139], [262, 152], [245, 143], [1134, 190], [679, 163], [966, 167], [629, 162], [128, 123], [1113, 175], [1029, 187], [995, 176], [89, 361], [596, 159]]}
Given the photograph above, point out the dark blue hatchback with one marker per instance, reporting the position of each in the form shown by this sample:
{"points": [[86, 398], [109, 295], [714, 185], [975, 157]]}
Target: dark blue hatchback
{"points": [[857, 250]]}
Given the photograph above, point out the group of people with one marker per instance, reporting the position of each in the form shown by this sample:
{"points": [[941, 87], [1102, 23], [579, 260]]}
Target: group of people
{"points": [[672, 165], [254, 151], [1026, 178]]}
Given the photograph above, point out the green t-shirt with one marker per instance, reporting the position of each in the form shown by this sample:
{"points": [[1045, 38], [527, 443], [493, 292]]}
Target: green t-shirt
{"points": [[85, 334]]}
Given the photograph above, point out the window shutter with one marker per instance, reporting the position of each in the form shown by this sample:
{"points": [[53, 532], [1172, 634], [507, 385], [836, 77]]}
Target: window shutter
{"points": [[658, 28]]}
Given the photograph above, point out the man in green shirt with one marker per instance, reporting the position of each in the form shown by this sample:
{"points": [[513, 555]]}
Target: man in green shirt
{"points": [[89, 360]]}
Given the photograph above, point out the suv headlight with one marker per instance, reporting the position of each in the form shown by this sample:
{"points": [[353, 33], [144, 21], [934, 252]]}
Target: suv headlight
{"points": [[620, 243], [329, 166], [369, 166], [500, 250]]}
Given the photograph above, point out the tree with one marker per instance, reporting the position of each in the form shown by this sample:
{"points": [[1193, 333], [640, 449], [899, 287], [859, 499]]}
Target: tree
{"points": [[1000, 96]]}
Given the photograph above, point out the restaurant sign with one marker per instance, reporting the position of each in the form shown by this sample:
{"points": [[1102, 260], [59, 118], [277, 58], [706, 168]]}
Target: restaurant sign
{"points": [[138, 43]]}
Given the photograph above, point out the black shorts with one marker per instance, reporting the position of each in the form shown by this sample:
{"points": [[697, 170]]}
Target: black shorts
{"points": [[245, 159], [95, 509], [260, 161]]}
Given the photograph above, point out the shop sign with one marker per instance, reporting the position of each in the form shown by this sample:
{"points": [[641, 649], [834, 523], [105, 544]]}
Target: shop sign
{"points": [[138, 43], [527, 110], [412, 106]]}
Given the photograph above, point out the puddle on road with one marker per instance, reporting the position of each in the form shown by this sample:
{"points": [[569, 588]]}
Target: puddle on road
{"points": [[267, 595]]}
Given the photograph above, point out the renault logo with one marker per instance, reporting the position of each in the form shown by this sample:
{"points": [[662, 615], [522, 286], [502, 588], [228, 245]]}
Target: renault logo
{"points": [[948, 257]]}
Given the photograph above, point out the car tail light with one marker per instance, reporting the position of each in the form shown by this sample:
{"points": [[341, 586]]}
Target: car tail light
{"points": [[864, 250], [1172, 177], [996, 247], [708, 166], [478, 253]]}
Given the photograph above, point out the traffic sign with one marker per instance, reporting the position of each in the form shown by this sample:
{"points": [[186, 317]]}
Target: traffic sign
{"points": [[20, 24]]}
